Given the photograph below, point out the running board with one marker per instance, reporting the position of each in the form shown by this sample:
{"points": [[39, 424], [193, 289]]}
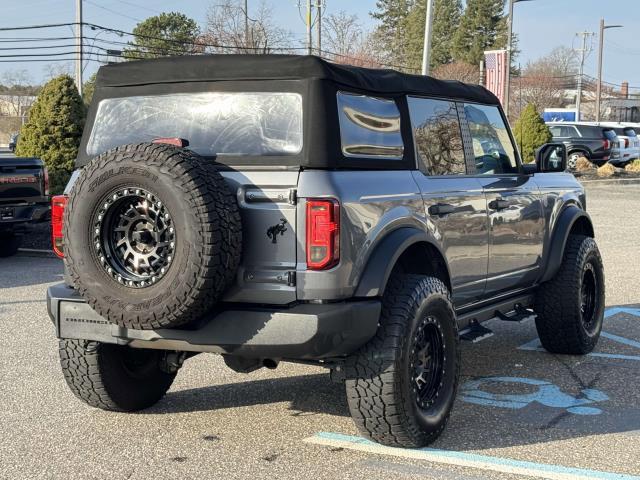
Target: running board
{"points": [[475, 332], [500, 307]]}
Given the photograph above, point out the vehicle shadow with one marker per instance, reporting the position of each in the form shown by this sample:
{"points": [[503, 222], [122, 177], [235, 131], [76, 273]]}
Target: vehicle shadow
{"points": [[307, 394]]}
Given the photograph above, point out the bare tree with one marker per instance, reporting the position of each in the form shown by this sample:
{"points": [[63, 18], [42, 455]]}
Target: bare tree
{"points": [[460, 71], [225, 30], [52, 70], [16, 93], [344, 34]]}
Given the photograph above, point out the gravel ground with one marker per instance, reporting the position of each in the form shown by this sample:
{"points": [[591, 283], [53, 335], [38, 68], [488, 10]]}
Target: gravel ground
{"points": [[215, 423]]}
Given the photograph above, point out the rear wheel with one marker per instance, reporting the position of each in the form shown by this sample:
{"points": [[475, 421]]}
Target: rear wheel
{"points": [[570, 307], [572, 160], [114, 377], [401, 385], [9, 243]]}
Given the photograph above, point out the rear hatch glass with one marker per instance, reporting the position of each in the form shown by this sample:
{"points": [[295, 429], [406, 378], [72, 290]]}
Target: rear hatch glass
{"points": [[214, 123]]}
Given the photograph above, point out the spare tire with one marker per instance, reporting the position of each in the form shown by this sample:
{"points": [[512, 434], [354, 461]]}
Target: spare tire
{"points": [[152, 235]]}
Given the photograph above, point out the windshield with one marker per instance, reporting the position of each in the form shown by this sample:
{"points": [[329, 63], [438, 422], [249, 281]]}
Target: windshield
{"points": [[214, 123]]}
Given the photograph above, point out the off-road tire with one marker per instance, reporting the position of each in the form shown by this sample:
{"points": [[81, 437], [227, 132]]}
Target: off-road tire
{"points": [[378, 378], [559, 320], [9, 244], [208, 237], [97, 375]]}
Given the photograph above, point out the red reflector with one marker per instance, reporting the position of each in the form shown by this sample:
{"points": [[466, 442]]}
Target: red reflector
{"points": [[58, 204], [175, 141], [323, 234]]}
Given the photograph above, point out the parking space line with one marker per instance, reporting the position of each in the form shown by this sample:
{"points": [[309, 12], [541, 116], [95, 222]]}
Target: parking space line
{"points": [[469, 460]]}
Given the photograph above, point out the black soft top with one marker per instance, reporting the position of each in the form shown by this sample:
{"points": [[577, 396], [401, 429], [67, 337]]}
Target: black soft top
{"points": [[206, 68]]}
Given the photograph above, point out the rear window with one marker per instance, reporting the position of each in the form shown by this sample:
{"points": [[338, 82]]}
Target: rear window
{"points": [[630, 132], [215, 123]]}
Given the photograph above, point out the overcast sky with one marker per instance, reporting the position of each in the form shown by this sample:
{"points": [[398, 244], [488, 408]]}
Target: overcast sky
{"points": [[540, 24]]}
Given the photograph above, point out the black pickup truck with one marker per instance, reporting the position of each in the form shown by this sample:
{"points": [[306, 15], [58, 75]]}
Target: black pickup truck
{"points": [[24, 198]]}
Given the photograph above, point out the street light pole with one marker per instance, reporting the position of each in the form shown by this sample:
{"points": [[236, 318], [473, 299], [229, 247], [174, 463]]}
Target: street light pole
{"points": [[426, 47], [309, 35], [603, 27], [507, 83]]}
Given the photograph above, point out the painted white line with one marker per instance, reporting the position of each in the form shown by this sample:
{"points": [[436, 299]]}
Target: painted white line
{"points": [[469, 460]]}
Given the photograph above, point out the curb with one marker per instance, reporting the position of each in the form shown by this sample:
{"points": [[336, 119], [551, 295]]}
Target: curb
{"points": [[611, 181]]}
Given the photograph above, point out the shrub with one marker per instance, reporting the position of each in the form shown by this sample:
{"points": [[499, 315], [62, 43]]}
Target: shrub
{"points": [[606, 170], [531, 132], [584, 165], [53, 130], [633, 166]]}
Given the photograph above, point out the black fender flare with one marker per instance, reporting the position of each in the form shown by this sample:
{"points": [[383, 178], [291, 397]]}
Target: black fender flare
{"points": [[384, 257], [566, 220]]}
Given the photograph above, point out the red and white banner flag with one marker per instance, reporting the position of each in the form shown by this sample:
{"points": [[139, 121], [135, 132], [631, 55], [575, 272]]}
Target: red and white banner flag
{"points": [[495, 62]]}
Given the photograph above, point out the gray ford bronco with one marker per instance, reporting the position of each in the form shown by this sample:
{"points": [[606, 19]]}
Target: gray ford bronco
{"points": [[283, 208]]}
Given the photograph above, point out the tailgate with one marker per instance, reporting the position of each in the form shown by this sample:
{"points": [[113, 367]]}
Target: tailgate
{"points": [[21, 180], [267, 206]]}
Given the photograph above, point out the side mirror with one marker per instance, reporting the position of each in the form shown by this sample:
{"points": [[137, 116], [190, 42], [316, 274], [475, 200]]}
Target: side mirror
{"points": [[551, 157]]}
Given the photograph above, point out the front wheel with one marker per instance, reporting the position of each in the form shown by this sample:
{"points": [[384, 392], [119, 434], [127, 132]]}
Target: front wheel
{"points": [[114, 377], [570, 307], [401, 385]]}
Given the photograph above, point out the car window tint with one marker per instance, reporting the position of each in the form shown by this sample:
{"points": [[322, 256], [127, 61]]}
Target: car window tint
{"points": [[557, 131], [369, 127], [630, 132], [492, 147], [437, 136], [610, 134]]}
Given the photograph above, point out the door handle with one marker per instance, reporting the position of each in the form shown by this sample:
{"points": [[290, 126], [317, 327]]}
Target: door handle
{"points": [[440, 209], [498, 204]]}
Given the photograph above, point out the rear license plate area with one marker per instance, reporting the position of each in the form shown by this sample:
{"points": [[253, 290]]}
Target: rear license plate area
{"points": [[7, 213]]}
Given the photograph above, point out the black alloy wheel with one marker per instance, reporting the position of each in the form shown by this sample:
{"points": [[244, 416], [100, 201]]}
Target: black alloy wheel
{"points": [[427, 363], [134, 238], [589, 298]]}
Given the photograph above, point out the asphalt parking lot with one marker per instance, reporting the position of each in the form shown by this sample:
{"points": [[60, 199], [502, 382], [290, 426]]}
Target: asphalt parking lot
{"points": [[520, 411]]}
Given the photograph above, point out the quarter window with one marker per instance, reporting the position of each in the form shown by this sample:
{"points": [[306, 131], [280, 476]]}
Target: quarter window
{"points": [[492, 148], [369, 127], [437, 136]]}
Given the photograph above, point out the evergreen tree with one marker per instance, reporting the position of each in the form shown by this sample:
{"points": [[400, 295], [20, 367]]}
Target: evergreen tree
{"points": [[163, 35], [483, 26], [392, 15], [531, 132], [88, 88], [53, 130], [446, 20]]}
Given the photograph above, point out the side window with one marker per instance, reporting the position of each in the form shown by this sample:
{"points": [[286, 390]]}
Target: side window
{"points": [[557, 131], [369, 127], [437, 136], [494, 153]]}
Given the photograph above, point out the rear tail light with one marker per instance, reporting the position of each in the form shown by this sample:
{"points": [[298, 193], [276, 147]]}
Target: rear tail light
{"points": [[626, 143], [323, 234], [58, 204], [606, 144], [46, 182]]}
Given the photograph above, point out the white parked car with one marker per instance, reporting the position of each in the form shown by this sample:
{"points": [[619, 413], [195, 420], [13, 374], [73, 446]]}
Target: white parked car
{"points": [[629, 141]]}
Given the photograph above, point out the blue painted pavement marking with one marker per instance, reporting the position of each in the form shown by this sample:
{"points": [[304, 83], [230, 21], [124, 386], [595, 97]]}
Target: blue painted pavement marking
{"points": [[535, 345], [469, 460], [547, 394]]}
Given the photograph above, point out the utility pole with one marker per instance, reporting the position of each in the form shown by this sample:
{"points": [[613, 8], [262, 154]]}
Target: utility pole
{"points": [[246, 23], [603, 27], [309, 36], [583, 52], [319, 13], [79, 46], [426, 48], [507, 83]]}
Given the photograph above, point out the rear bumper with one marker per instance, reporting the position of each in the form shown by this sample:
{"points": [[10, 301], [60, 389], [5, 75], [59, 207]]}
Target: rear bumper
{"points": [[13, 216], [304, 332]]}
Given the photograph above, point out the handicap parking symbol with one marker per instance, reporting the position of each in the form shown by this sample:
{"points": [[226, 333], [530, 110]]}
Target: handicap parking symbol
{"points": [[547, 394]]}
